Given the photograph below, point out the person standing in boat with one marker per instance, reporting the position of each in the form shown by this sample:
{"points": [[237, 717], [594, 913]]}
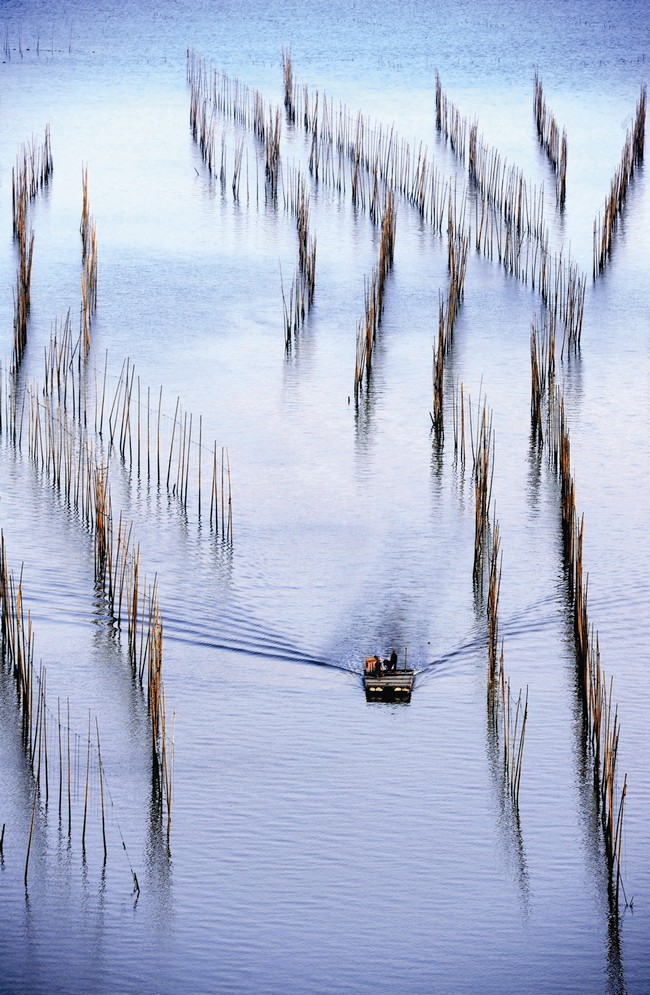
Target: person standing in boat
{"points": [[377, 666], [393, 661]]}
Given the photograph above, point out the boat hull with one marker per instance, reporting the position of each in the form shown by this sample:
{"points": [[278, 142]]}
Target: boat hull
{"points": [[394, 686]]}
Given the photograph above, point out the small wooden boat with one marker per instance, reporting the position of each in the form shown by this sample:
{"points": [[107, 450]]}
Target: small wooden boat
{"points": [[382, 684]]}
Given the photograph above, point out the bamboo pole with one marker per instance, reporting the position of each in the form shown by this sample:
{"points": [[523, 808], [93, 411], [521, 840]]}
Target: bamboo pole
{"points": [[83, 833], [101, 786]]}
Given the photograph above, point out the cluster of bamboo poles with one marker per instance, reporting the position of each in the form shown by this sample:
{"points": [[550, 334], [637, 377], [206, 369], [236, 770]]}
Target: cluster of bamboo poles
{"points": [[60, 448], [449, 122], [289, 86], [509, 213], [502, 187], [457, 246], [202, 122], [301, 296], [17, 643], [67, 768], [31, 173], [521, 253], [513, 724], [272, 138], [495, 557], [504, 223], [59, 445], [458, 420], [37, 720], [509, 225], [548, 134], [482, 439], [381, 161], [34, 167], [374, 297], [57, 421], [202, 125], [506, 723], [213, 93], [57, 449], [596, 698], [22, 293], [56, 425], [88, 231], [599, 712], [117, 573], [542, 362], [519, 203], [631, 158], [377, 159], [559, 282], [21, 49], [227, 95], [306, 243], [129, 416]]}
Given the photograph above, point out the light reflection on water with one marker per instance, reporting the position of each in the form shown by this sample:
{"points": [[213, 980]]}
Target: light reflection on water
{"points": [[319, 843]]}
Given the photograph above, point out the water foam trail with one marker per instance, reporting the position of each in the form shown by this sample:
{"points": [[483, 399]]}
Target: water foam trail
{"points": [[238, 630], [235, 630], [249, 647]]}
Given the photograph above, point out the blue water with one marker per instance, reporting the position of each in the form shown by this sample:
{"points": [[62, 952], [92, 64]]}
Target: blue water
{"points": [[319, 843]]}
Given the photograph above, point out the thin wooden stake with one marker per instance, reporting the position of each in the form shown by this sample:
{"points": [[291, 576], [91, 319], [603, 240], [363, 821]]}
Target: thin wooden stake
{"points": [[83, 834], [101, 787]]}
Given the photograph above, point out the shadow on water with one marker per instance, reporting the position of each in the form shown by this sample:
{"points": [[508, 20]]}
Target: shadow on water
{"points": [[31, 938], [535, 463], [437, 456], [298, 355], [508, 823], [159, 865], [96, 918], [573, 385], [364, 409]]}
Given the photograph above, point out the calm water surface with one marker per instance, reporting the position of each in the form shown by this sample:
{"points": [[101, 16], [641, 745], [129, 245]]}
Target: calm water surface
{"points": [[321, 844]]}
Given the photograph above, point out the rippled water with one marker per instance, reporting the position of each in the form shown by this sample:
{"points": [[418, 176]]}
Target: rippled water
{"points": [[319, 843]]}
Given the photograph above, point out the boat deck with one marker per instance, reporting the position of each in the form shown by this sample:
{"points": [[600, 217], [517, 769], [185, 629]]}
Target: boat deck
{"points": [[394, 685]]}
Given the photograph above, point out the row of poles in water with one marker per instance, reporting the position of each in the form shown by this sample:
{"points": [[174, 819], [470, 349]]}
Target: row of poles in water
{"points": [[53, 422], [507, 221], [508, 218], [52, 745]]}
